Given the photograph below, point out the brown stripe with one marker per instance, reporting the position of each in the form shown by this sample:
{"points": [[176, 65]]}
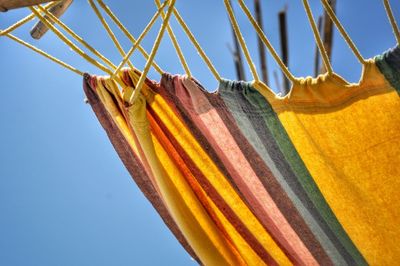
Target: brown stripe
{"points": [[132, 163]]}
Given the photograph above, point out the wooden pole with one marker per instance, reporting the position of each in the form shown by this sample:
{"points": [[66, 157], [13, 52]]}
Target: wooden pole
{"points": [[261, 47], [39, 29], [237, 58], [317, 56], [12, 4], [284, 46], [328, 33]]}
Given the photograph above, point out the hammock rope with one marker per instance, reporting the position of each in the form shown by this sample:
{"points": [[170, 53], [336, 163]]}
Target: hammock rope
{"points": [[119, 24], [196, 44], [77, 37], [175, 43], [241, 40], [141, 37], [392, 20], [7, 33], [43, 53], [266, 41], [342, 31], [317, 36], [153, 52], [113, 70], [70, 43], [109, 31], [25, 20], [136, 42]]}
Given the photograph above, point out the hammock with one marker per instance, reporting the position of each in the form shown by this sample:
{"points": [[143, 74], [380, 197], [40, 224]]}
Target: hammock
{"points": [[242, 176]]}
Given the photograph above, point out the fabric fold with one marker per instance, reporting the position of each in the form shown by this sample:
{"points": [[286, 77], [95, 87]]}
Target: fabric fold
{"points": [[117, 131]]}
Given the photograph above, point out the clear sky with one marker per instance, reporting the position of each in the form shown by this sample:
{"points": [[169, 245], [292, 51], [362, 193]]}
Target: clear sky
{"points": [[65, 197]]}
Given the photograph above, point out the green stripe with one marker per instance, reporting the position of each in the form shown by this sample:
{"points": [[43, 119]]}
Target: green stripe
{"points": [[389, 65], [298, 167], [253, 126]]}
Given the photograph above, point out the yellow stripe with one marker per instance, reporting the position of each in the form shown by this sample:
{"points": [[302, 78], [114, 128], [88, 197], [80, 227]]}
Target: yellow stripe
{"points": [[353, 153], [114, 111], [200, 231], [175, 43], [247, 253]]}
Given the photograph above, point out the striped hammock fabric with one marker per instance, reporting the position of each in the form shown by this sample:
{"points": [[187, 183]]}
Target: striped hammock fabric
{"points": [[243, 177]]}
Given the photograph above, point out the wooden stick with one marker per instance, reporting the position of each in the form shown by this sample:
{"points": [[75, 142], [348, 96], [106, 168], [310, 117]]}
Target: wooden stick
{"points": [[284, 45], [261, 47], [317, 60], [40, 29], [12, 4], [328, 32], [277, 83], [237, 58], [24, 20]]}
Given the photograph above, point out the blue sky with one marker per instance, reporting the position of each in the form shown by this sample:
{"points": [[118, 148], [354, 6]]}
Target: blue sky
{"points": [[65, 197]]}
